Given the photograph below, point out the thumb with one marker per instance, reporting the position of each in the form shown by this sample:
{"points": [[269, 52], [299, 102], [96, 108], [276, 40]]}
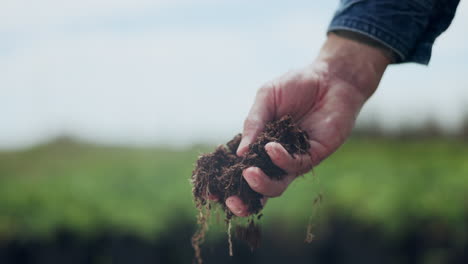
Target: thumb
{"points": [[260, 113]]}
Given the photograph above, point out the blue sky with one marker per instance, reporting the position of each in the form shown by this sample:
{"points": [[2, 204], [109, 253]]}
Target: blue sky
{"points": [[177, 72]]}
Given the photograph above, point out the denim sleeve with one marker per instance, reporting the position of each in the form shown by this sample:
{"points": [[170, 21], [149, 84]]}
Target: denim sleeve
{"points": [[407, 27]]}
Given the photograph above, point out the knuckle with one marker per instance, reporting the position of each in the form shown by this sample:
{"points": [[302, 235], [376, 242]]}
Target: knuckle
{"points": [[304, 164], [316, 159], [266, 188], [280, 160], [283, 160], [275, 189]]}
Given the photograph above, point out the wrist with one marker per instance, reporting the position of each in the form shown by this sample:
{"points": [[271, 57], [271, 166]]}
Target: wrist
{"points": [[364, 39], [360, 65]]}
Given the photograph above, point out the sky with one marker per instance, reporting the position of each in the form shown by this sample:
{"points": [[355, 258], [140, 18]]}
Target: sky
{"points": [[180, 72]]}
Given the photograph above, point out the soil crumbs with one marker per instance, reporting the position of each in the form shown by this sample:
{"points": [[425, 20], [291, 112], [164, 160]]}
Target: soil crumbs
{"points": [[219, 174]]}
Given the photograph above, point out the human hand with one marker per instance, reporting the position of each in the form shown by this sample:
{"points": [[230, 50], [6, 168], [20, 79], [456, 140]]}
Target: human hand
{"points": [[324, 99]]}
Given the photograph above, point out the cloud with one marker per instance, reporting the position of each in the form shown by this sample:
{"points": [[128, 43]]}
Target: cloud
{"points": [[22, 15], [195, 83], [177, 80]]}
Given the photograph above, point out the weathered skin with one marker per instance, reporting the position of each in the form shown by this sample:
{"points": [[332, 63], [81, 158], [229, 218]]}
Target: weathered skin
{"points": [[325, 98]]}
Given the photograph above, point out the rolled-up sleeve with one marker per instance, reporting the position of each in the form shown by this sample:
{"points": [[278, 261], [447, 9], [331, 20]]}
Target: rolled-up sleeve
{"points": [[408, 27]]}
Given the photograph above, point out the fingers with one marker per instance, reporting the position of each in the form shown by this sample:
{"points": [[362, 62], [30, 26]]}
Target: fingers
{"points": [[236, 206], [297, 165], [262, 184], [260, 113], [319, 152]]}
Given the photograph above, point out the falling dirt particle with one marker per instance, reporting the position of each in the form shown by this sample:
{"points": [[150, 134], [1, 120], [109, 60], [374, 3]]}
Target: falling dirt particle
{"points": [[315, 208], [230, 238], [250, 233], [259, 216], [309, 235], [199, 237]]}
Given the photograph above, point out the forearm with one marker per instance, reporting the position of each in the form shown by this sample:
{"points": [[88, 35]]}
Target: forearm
{"points": [[357, 64], [409, 28]]}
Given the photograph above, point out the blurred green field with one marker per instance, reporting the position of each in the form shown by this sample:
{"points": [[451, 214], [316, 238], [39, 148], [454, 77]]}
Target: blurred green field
{"points": [[88, 188]]}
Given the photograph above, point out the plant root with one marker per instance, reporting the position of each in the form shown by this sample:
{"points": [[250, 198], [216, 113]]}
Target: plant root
{"points": [[230, 237], [199, 237]]}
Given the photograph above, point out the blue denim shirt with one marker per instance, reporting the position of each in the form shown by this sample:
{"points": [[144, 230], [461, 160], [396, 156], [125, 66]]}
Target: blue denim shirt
{"points": [[408, 27]]}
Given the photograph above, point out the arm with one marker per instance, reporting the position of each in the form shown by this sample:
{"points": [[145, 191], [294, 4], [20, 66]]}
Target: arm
{"points": [[324, 98], [408, 28], [364, 37]]}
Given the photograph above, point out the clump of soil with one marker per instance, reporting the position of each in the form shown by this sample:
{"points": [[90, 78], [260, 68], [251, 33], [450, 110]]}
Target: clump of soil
{"points": [[219, 174]]}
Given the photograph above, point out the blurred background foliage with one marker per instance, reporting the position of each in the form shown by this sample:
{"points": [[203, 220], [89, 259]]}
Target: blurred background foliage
{"points": [[148, 80], [391, 183]]}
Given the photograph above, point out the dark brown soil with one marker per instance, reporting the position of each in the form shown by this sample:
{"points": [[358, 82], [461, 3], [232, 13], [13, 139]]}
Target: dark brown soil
{"points": [[219, 175]]}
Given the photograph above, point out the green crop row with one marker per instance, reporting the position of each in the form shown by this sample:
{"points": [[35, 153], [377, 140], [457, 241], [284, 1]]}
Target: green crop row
{"points": [[87, 188]]}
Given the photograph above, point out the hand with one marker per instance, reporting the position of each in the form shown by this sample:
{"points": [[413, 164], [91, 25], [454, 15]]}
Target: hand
{"points": [[324, 99]]}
